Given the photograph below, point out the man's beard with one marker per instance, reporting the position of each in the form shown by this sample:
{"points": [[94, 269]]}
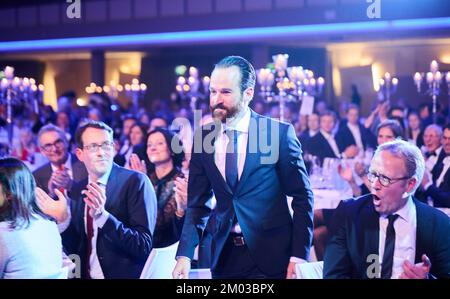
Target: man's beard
{"points": [[229, 112]]}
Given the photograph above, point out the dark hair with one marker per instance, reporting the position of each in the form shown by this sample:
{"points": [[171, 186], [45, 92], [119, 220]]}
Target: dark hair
{"points": [[248, 75], [90, 124], [393, 125], [52, 128], [18, 187], [329, 113], [351, 106], [171, 139], [142, 127]]}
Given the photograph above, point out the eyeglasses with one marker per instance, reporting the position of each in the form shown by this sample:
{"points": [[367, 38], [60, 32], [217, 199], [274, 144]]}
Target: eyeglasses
{"points": [[49, 146], [93, 147], [384, 180]]}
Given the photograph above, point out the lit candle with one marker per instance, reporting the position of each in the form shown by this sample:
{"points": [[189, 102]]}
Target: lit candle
{"points": [[417, 77], [320, 81], [429, 77], [312, 81], [381, 82], [9, 72], [206, 81], [135, 81], [4, 83], [447, 77], [438, 76], [143, 87], [181, 81], [193, 72], [387, 76], [434, 66], [394, 81], [280, 61]]}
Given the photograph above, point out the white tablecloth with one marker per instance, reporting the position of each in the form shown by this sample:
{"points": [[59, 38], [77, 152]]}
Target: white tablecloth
{"points": [[329, 199]]}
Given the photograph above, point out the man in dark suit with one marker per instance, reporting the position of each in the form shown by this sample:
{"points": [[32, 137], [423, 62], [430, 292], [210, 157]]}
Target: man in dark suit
{"points": [[63, 169], [352, 133], [389, 227], [112, 214], [436, 185], [250, 163], [323, 144]]}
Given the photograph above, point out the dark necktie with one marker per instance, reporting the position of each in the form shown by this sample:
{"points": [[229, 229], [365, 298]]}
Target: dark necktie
{"points": [[231, 166], [389, 245], [429, 154]]}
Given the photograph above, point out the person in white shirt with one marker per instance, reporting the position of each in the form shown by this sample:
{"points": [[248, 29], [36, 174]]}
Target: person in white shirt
{"points": [[389, 234]]}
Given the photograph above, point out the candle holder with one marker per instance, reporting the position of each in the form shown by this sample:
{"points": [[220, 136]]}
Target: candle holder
{"points": [[432, 80], [388, 87], [19, 92], [292, 83], [188, 85]]}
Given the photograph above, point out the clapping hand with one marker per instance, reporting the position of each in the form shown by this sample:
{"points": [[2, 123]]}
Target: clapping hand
{"points": [[416, 271], [60, 179], [56, 209], [137, 164], [181, 185]]}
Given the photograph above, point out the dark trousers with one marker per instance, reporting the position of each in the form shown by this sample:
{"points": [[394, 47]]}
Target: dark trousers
{"points": [[236, 262]]}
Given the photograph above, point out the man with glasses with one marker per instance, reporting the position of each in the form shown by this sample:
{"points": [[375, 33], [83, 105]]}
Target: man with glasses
{"points": [[388, 233], [112, 213], [63, 169]]}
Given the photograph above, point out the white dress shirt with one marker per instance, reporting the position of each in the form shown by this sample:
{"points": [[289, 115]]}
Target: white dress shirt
{"points": [[405, 237], [354, 129], [98, 222], [332, 142]]}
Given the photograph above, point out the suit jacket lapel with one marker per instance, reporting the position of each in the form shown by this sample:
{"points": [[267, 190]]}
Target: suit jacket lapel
{"points": [[252, 157], [112, 186], [423, 236], [368, 234]]}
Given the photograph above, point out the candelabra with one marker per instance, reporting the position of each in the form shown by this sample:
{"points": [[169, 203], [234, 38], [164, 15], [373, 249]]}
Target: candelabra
{"points": [[388, 87], [135, 90], [189, 88], [18, 92], [433, 79], [292, 83]]}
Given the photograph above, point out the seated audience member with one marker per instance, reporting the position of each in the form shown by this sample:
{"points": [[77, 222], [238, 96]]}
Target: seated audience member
{"points": [[432, 145], [164, 150], [377, 116], [137, 135], [127, 123], [387, 131], [110, 219], [63, 168], [414, 132], [30, 244], [323, 144], [157, 122], [389, 234], [436, 184], [312, 129], [352, 133]]}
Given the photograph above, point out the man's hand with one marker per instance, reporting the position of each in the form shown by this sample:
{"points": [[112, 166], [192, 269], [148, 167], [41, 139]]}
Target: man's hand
{"points": [[95, 198], [291, 271], [56, 209], [138, 165], [426, 179], [182, 268], [345, 171], [60, 179], [181, 185], [417, 271]]}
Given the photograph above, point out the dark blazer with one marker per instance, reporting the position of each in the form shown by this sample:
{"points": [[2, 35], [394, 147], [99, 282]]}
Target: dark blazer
{"points": [[125, 241], [42, 174], [259, 202], [440, 194], [319, 147], [355, 235], [344, 137]]}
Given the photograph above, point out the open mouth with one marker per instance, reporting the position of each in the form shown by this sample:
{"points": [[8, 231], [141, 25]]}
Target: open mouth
{"points": [[376, 200]]}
